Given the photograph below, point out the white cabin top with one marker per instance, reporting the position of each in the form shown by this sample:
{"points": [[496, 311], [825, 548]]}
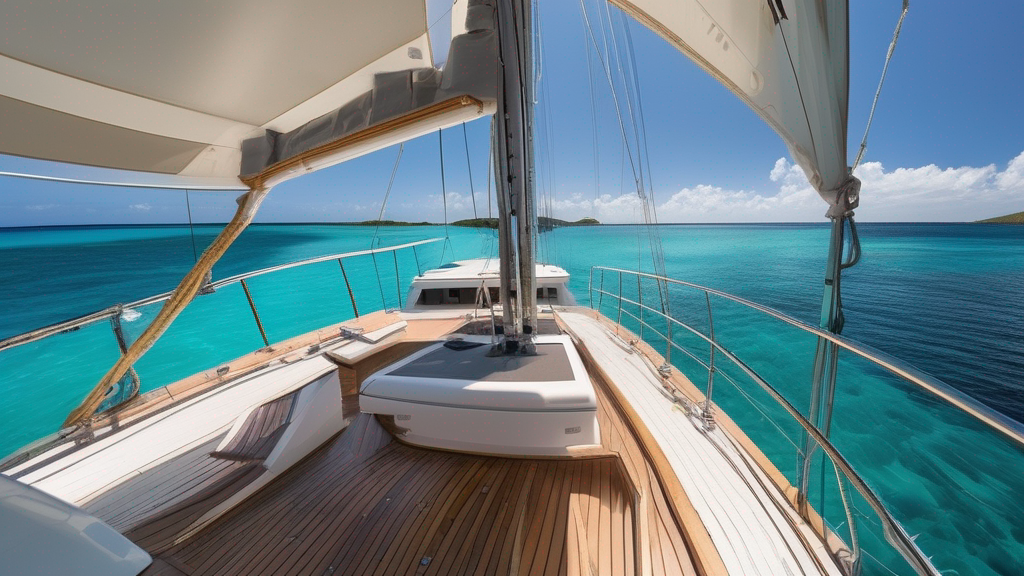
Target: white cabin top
{"points": [[457, 284]]}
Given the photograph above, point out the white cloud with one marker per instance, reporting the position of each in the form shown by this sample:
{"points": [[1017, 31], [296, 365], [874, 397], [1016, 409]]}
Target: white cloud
{"points": [[1013, 177], [926, 193], [40, 207], [459, 206], [140, 207]]}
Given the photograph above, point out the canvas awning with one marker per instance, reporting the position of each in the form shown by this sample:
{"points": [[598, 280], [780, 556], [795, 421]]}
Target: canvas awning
{"points": [[174, 88]]}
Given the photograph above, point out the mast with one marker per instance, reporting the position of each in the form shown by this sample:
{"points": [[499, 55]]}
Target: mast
{"points": [[826, 356], [514, 165]]}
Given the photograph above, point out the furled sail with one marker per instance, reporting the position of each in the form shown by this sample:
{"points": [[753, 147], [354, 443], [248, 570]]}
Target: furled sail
{"points": [[787, 59], [174, 89]]}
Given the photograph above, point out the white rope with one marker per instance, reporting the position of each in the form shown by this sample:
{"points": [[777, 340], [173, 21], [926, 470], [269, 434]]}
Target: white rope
{"points": [[885, 69]]}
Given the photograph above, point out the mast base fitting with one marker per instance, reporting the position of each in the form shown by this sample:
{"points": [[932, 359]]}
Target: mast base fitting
{"points": [[523, 346]]}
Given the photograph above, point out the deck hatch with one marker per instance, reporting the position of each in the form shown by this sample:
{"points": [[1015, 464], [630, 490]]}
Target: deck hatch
{"points": [[551, 364]]}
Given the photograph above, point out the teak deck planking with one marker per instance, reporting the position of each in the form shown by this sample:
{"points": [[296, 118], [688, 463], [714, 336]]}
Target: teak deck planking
{"points": [[366, 504]]}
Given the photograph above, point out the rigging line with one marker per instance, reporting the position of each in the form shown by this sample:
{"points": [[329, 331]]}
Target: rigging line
{"points": [[438, 19], [538, 40], [444, 199], [611, 85], [490, 164], [630, 89], [550, 138], [387, 194], [490, 176], [628, 97], [544, 146], [593, 121], [878, 92], [645, 159], [469, 168], [638, 178], [191, 232], [657, 251], [380, 216]]}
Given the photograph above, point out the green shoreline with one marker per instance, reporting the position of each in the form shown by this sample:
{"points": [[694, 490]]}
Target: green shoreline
{"points": [[1017, 218]]}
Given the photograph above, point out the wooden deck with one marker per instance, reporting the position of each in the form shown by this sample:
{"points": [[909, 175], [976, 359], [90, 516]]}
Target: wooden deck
{"points": [[659, 496], [366, 504], [729, 507]]}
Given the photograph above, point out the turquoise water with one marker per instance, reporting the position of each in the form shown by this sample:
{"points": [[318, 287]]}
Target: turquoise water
{"points": [[946, 298]]}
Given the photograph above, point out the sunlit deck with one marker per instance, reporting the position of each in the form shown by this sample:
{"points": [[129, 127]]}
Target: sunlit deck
{"points": [[366, 504], [658, 496]]}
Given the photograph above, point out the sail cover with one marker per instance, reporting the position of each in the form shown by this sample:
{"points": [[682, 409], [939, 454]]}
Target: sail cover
{"points": [[174, 88], [787, 59]]}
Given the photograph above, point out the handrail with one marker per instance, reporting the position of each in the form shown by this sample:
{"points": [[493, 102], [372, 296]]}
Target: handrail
{"points": [[76, 323], [990, 417], [894, 531]]}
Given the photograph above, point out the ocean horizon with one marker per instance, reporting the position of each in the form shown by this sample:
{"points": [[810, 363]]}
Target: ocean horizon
{"points": [[441, 224]]}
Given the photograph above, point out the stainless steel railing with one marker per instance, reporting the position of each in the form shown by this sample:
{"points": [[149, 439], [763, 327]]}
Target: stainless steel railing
{"points": [[894, 532], [76, 323], [992, 418], [113, 313]]}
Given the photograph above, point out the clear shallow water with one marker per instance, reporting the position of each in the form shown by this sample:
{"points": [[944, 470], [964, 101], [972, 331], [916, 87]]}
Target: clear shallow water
{"points": [[946, 298]]}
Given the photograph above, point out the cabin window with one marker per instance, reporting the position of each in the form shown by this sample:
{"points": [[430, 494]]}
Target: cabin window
{"points": [[440, 296], [431, 296], [547, 293]]}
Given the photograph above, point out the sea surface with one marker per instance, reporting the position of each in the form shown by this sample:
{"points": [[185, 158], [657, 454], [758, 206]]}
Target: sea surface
{"points": [[947, 298]]}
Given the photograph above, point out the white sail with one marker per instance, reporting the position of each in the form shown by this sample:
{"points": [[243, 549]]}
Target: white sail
{"points": [[174, 89], [787, 59]]}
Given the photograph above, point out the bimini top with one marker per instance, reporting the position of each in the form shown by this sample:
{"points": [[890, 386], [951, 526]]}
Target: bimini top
{"points": [[178, 88]]}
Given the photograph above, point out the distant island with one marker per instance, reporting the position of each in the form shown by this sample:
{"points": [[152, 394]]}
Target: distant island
{"points": [[385, 223], [1017, 218], [543, 222]]}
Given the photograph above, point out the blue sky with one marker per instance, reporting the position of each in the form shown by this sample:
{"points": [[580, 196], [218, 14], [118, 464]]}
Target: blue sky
{"points": [[947, 143]]}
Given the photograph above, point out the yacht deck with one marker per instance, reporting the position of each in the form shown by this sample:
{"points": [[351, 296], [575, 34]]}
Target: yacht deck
{"points": [[750, 523], [366, 504], [660, 495]]}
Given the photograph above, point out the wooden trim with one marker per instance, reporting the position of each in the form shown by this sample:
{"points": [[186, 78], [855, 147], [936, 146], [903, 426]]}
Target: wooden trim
{"points": [[166, 397], [833, 542], [425, 113], [705, 555]]}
